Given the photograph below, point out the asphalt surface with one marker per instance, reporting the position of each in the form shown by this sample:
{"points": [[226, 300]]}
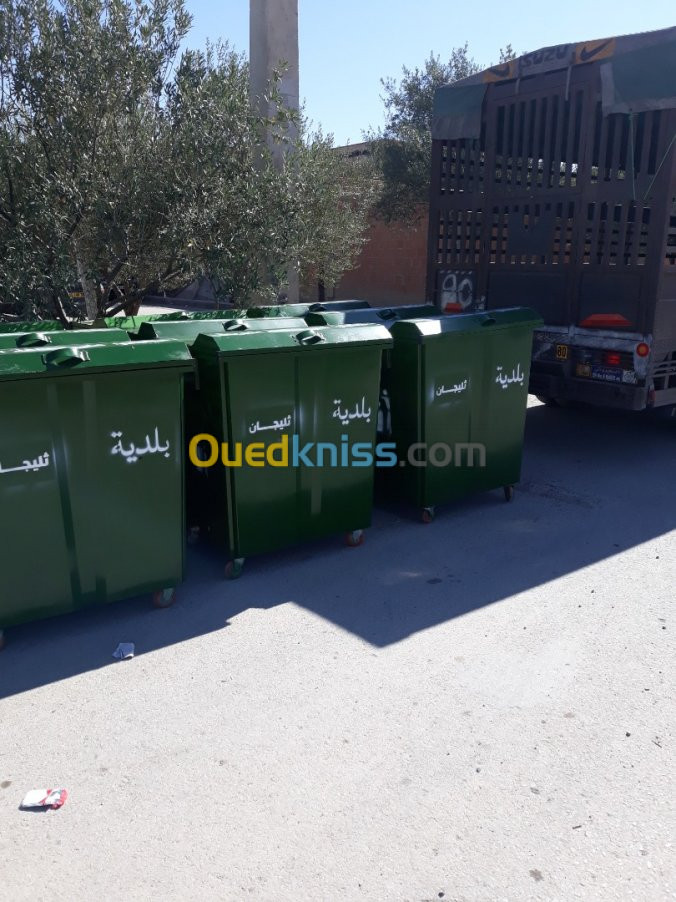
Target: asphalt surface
{"points": [[477, 709]]}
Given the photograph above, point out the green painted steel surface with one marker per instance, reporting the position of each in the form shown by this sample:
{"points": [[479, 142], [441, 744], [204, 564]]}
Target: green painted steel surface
{"points": [[385, 315], [261, 386], [189, 331], [304, 309], [43, 325], [91, 475], [57, 339], [461, 380], [134, 323]]}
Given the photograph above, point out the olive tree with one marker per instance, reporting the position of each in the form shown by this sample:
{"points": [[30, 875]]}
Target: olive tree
{"points": [[403, 148], [128, 168]]}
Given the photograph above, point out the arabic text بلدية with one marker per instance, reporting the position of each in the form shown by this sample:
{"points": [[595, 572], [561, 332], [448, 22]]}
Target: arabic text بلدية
{"points": [[345, 416], [132, 453], [29, 466], [503, 380]]}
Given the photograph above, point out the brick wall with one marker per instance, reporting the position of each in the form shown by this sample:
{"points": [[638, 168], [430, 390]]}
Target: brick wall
{"points": [[391, 267]]}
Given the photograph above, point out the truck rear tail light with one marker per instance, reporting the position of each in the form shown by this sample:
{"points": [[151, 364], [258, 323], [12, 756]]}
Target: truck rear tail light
{"points": [[642, 349], [612, 358], [606, 321]]}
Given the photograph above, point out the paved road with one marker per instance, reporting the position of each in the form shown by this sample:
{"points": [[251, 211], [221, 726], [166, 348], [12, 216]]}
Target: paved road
{"points": [[479, 709]]}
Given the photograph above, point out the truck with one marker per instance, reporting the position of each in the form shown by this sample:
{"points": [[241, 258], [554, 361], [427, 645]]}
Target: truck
{"points": [[554, 187]]}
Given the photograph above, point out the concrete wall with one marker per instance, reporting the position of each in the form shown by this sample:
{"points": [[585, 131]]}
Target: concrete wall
{"points": [[391, 268]]}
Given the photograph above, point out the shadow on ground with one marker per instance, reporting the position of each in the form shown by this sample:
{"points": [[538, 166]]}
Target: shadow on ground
{"points": [[595, 483]]}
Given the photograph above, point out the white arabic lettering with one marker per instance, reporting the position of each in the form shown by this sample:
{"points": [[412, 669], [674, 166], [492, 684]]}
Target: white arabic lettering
{"points": [[29, 466], [503, 380], [133, 453], [276, 425], [346, 417], [455, 390]]}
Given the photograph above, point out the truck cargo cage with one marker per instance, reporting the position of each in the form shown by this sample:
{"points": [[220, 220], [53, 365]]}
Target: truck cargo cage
{"points": [[553, 182]]}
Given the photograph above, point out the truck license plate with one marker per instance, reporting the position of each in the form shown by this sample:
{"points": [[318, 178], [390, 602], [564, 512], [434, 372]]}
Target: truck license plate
{"points": [[607, 374]]}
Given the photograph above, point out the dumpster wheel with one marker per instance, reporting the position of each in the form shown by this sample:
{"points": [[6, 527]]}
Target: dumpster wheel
{"points": [[355, 538], [427, 514], [234, 568], [509, 492], [164, 598]]}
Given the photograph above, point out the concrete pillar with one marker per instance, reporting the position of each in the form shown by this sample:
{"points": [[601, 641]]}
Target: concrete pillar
{"points": [[273, 39]]}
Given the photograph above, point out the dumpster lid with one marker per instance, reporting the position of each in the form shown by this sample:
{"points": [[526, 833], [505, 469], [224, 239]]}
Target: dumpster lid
{"points": [[134, 323], [304, 309], [38, 339], [308, 338], [385, 315], [347, 304], [276, 310], [188, 331], [489, 320], [75, 359]]}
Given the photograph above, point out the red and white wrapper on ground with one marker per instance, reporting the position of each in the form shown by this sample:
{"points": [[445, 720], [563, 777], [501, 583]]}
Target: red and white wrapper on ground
{"points": [[45, 798]]}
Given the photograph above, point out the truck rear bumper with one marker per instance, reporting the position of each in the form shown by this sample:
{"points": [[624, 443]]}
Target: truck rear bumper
{"points": [[547, 385]]}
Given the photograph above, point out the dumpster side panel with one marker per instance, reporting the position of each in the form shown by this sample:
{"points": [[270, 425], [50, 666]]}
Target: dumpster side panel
{"points": [[503, 414], [339, 392], [261, 390], [35, 526], [452, 389], [123, 437]]}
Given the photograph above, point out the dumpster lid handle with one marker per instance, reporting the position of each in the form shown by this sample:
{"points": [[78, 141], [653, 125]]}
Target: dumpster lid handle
{"points": [[33, 340], [65, 357], [387, 313], [235, 325], [309, 337]]}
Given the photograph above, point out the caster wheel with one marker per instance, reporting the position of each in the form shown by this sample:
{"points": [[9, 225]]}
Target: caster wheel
{"points": [[427, 515], [509, 492], [3, 641], [355, 538], [233, 569], [164, 598]]}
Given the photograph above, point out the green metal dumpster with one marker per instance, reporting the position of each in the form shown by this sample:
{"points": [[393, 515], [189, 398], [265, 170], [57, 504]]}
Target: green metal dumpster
{"points": [[458, 389], [26, 340], [91, 476], [188, 332], [264, 392], [43, 325]]}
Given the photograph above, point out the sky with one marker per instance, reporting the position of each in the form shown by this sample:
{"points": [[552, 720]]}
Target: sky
{"points": [[347, 47]]}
